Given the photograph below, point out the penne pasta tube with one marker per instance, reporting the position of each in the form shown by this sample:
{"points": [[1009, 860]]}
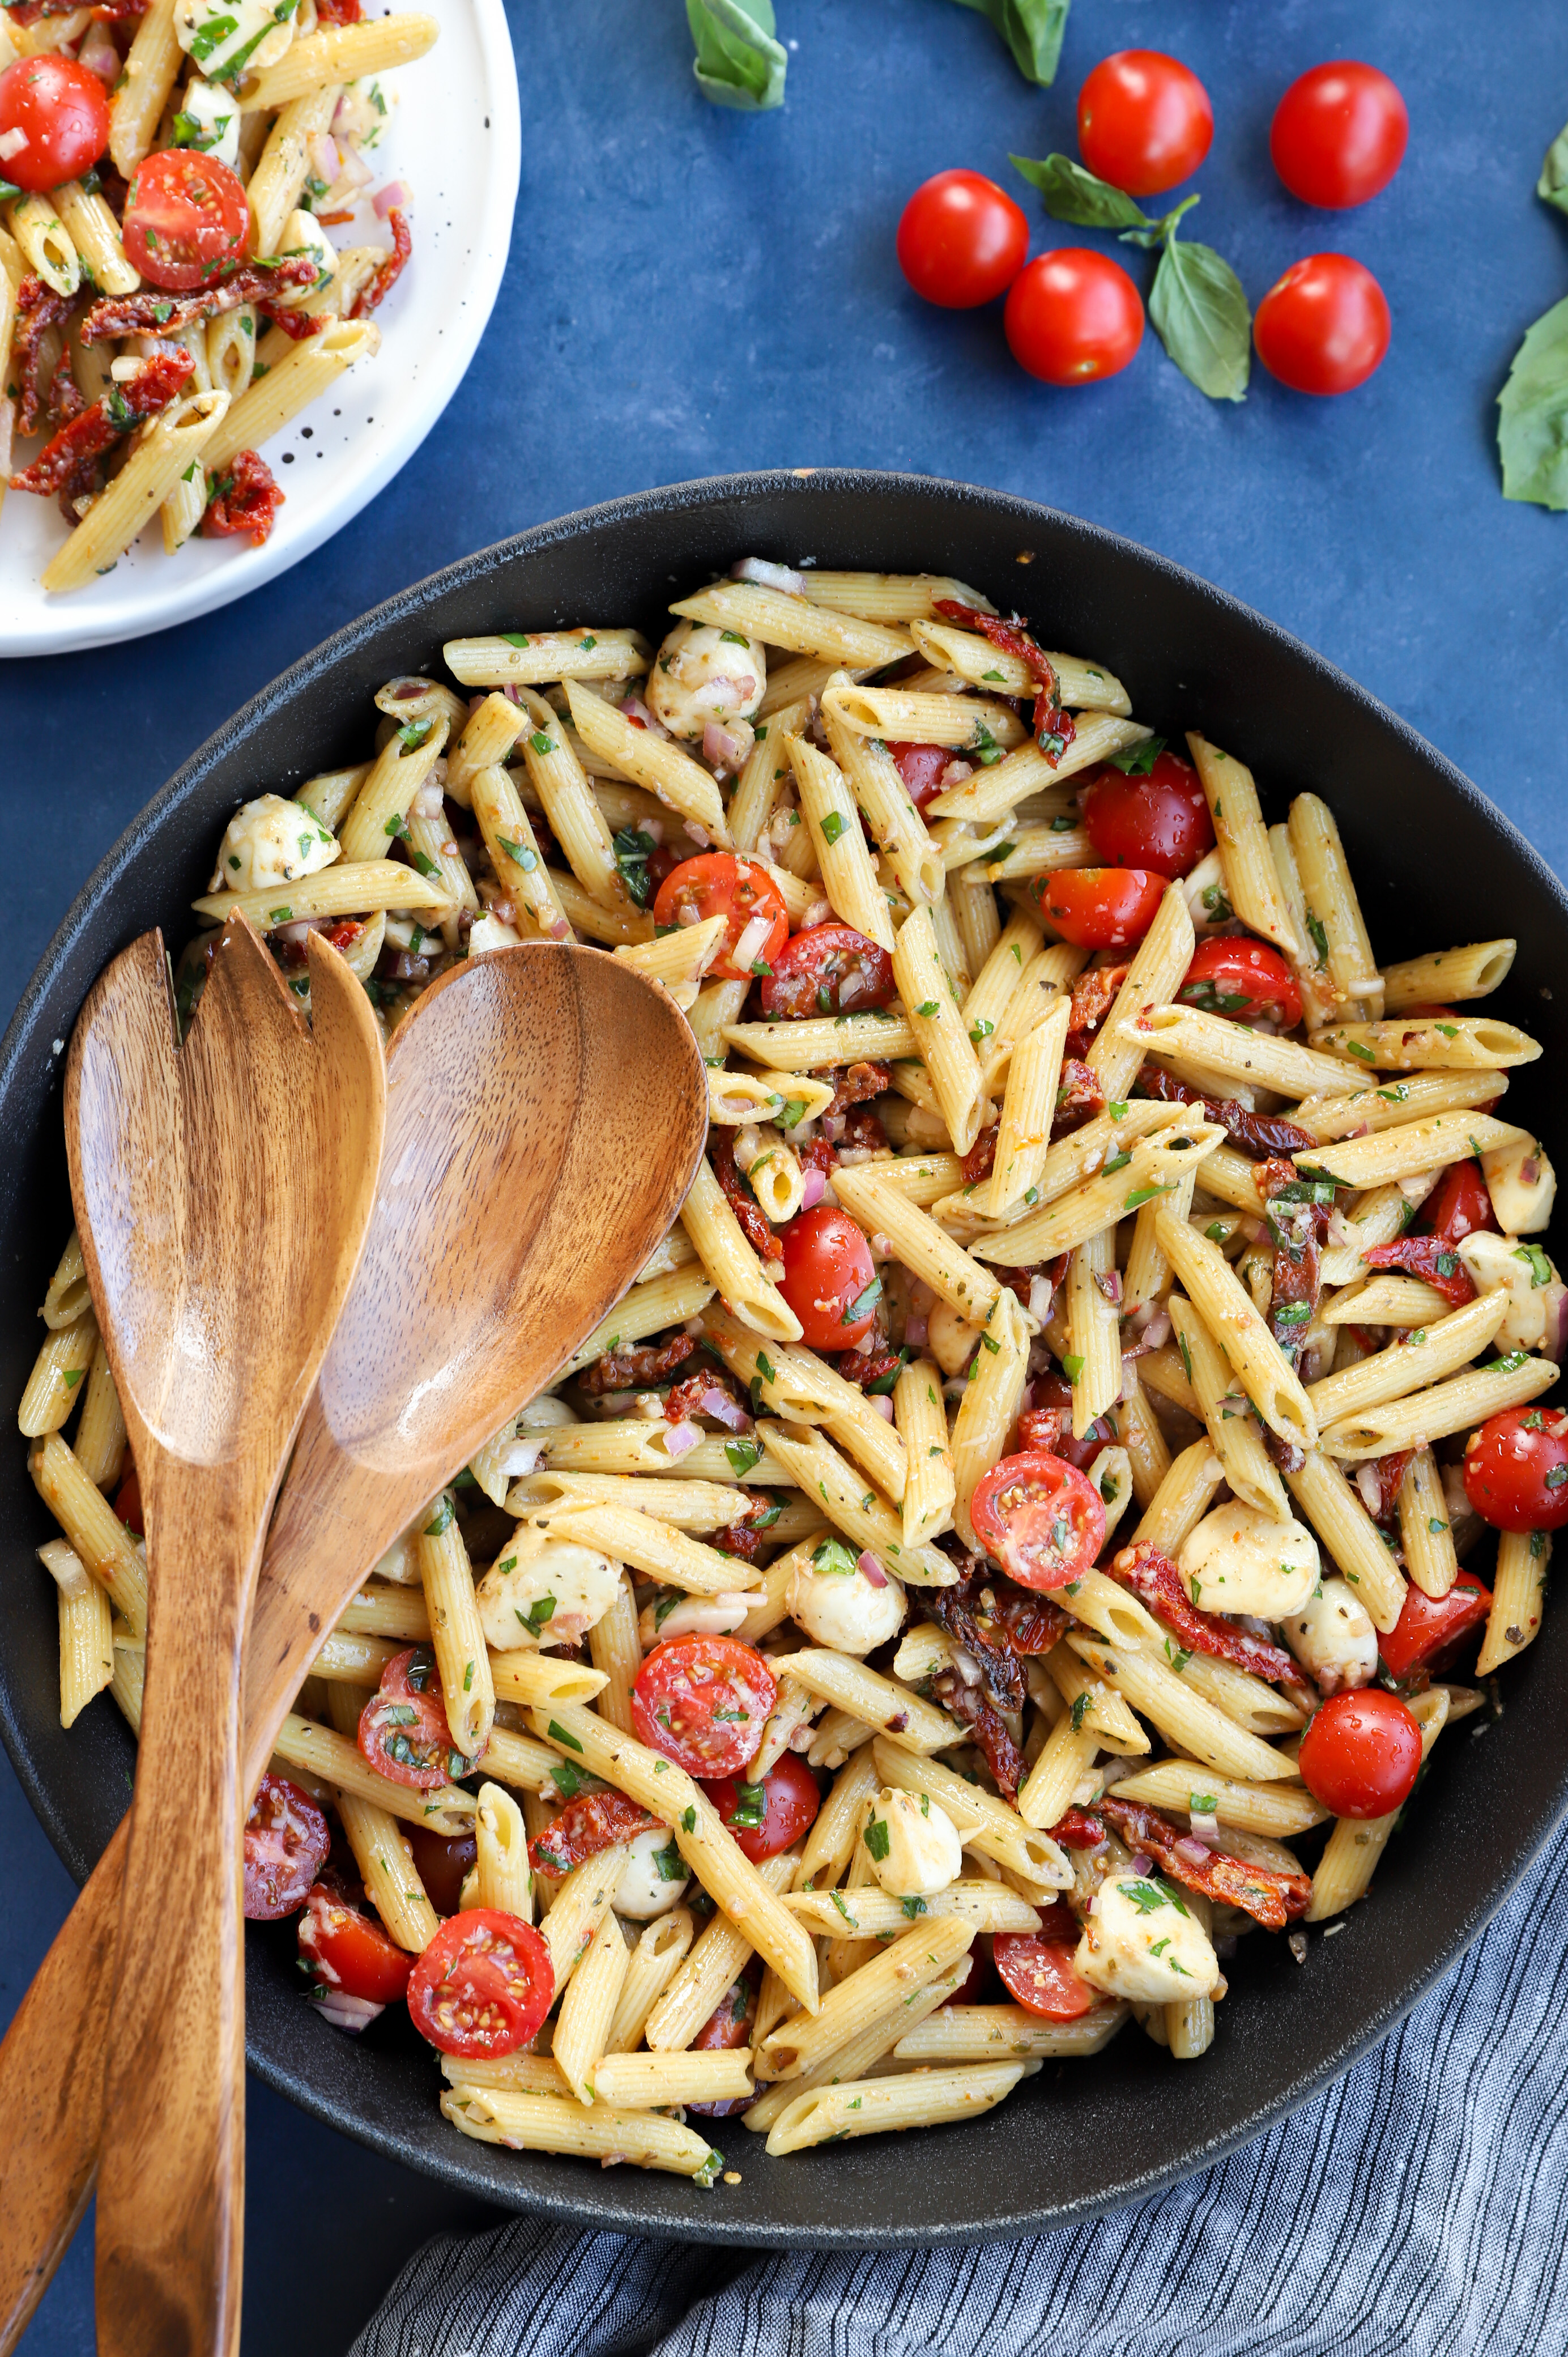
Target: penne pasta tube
{"points": [[651, 2081], [1094, 1324], [815, 1044], [972, 724], [583, 1900], [290, 385], [876, 1914], [931, 1007], [849, 878], [888, 596], [648, 1308], [1425, 1531], [878, 1701], [1412, 1362], [794, 623], [655, 1957], [506, 1879], [1408, 1151], [897, 1972], [587, 2009], [1142, 1171], [1233, 1319], [322, 1751], [1001, 786], [1333, 911], [1309, 958], [86, 1630], [654, 762], [1184, 1787], [1391, 1105], [1448, 976], [815, 1466], [173, 441], [764, 774], [95, 233], [1103, 1713], [975, 2033], [100, 1433], [512, 1759], [1519, 1597], [1352, 1539], [715, 1963], [874, 2106], [347, 889], [917, 1240], [352, 1661], [1079, 686], [53, 1388], [930, 1485], [400, 1613], [615, 1651], [534, 658], [514, 850], [986, 1826], [896, 826], [530, 1677], [1469, 1399], [1148, 1453], [1189, 1722], [1023, 1138], [1230, 1049], [67, 1298], [1065, 1757], [1159, 966], [576, 820], [695, 1506], [1462, 1043], [1356, 1845], [530, 2123], [519, 2074], [1251, 884], [341, 53], [650, 1544], [461, 1654], [727, 1258], [152, 64], [798, 1385], [97, 1535], [989, 1408]]}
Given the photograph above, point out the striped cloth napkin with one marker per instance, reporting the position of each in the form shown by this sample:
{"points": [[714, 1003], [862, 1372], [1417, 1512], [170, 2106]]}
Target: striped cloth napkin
{"points": [[1415, 2208]]}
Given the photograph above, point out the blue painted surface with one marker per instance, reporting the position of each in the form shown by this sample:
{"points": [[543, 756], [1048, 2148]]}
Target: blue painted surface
{"points": [[693, 292]]}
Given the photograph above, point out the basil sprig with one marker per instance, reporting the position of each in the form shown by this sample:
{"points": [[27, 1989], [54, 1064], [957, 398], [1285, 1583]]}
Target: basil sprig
{"points": [[1552, 186], [738, 63], [1032, 29], [1197, 304], [1532, 422]]}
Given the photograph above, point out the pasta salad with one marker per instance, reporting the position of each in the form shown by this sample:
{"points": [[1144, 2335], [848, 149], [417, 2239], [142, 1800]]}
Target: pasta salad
{"points": [[1013, 1540], [174, 178]]}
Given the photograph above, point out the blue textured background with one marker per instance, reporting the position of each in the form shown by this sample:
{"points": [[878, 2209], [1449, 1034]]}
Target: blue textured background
{"points": [[693, 292]]}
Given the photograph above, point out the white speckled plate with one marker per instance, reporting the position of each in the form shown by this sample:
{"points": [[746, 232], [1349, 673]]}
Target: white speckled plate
{"points": [[456, 139]]}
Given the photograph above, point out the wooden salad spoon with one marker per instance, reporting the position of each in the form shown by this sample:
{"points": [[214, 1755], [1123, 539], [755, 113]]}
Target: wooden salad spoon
{"points": [[223, 1190], [477, 1261]]}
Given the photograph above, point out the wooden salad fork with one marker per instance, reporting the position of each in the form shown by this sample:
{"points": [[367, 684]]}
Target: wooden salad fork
{"points": [[546, 1112], [223, 1190]]}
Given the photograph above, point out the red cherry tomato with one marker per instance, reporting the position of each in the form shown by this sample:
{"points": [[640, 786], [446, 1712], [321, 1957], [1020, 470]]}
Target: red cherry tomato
{"points": [[286, 1839], [961, 240], [1038, 1975], [1100, 907], [1039, 1517], [1231, 975], [1144, 122], [1324, 326], [483, 1985], [729, 2024], [403, 1728], [765, 1818], [62, 110], [828, 1272], [186, 222], [593, 1822], [128, 1503], [921, 767], [1073, 317], [1516, 1470], [445, 1860], [978, 1984], [344, 1950], [1339, 134], [1430, 1630], [704, 1703], [1459, 1205], [1158, 822], [1048, 1424], [718, 884], [1361, 1754], [828, 970]]}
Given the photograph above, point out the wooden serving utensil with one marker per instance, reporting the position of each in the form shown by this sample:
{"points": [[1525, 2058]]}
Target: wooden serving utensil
{"points": [[496, 1245], [223, 1190]]}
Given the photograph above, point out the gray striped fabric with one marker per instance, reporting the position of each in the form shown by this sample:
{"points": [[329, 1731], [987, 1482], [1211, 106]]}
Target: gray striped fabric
{"points": [[1417, 2208]]}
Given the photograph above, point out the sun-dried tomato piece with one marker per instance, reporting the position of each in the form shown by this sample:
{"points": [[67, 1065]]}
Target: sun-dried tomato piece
{"points": [[38, 308], [853, 1084], [1257, 1134], [1431, 1258], [753, 1220], [69, 464], [1078, 1097], [383, 279], [150, 313], [592, 1823], [1078, 1830], [638, 1367], [1155, 1578], [981, 1160], [245, 500], [1094, 993], [1054, 729], [1272, 1898]]}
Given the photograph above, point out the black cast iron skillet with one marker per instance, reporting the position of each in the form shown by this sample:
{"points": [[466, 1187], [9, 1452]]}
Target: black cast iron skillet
{"points": [[1435, 864]]}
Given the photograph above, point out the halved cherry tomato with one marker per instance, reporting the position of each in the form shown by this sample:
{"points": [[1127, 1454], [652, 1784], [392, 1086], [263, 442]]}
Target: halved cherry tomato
{"points": [[828, 1279], [60, 110], [1159, 821], [828, 970], [921, 767], [1459, 1205], [1430, 1626], [593, 1822], [765, 1818], [1339, 134], [718, 884], [1053, 1401], [403, 1728], [445, 1860], [128, 1503], [483, 1985], [1323, 328], [1040, 1519], [1073, 317], [961, 240], [286, 1839], [345, 1950], [704, 1702], [1516, 1470], [186, 220], [1144, 122], [1235, 976], [1100, 907], [1037, 1973], [1361, 1754], [729, 2024]]}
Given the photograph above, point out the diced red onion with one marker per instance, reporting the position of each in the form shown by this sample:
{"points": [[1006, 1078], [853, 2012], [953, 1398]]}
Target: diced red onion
{"points": [[560, 930], [521, 1459], [814, 1185], [634, 708], [1152, 1323], [1530, 1170], [1556, 1308], [883, 1404], [819, 913], [397, 196], [722, 746], [344, 2012], [771, 576], [1191, 1851], [1041, 1293], [1370, 1488], [1141, 1864], [699, 836], [955, 774], [851, 987], [100, 56], [1110, 1284], [833, 1126], [870, 1570], [917, 1332], [726, 1410], [325, 161], [680, 1439], [752, 943]]}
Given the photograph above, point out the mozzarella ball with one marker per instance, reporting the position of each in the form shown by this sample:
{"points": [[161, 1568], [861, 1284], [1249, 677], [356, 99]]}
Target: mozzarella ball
{"points": [[953, 1340], [223, 34], [701, 674], [1244, 1561], [1205, 892], [1142, 1941], [302, 233], [268, 841], [912, 1844], [1333, 1637], [544, 1591], [218, 113], [648, 1886], [841, 1607], [1522, 1185], [1502, 1264]]}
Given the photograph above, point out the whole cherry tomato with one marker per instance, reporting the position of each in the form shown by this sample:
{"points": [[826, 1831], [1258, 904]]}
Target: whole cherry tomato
{"points": [[1361, 1754], [1100, 907], [1324, 326], [1144, 122], [718, 884], [1158, 820], [1431, 1629], [704, 1702], [60, 112], [1037, 1968], [286, 1839], [1073, 317], [828, 1276], [1231, 974], [1459, 1205], [186, 220], [828, 970], [1039, 1518], [765, 1818], [961, 240], [483, 1985], [403, 1728], [921, 767], [1516, 1470], [1339, 134], [346, 1952]]}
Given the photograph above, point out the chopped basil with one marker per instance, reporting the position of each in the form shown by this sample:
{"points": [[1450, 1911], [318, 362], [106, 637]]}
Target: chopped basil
{"points": [[877, 1837]]}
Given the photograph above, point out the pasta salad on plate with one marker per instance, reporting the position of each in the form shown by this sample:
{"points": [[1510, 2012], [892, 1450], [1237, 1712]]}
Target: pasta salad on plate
{"points": [[1014, 1540]]}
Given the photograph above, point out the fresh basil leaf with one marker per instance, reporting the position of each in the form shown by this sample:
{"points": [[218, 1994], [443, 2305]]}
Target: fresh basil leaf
{"points": [[1532, 431], [738, 63], [1200, 313], [1032, 29], [1071, 194], [1138, 760], [1552, 186]]}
